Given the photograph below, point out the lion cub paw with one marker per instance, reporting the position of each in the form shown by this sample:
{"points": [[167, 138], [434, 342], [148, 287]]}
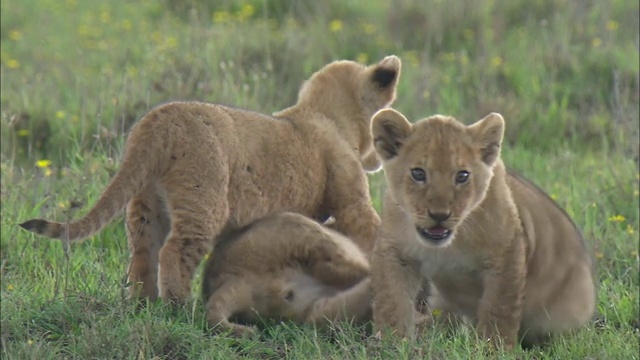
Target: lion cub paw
{"points": [[236, 330]]}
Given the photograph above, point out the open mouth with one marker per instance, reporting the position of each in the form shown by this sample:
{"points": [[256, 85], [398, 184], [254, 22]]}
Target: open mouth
{"points": [[436, 234]]}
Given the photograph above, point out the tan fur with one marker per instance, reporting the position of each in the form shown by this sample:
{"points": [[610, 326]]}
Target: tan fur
{"points": [[191, 170], [288, 267], [515, 263]]}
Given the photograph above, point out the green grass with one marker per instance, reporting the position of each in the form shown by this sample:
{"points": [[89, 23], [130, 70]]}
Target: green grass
{"points": [[77, 74]]}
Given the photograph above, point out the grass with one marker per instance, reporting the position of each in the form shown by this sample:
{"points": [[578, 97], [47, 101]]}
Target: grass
{"points": [[77, 74]]}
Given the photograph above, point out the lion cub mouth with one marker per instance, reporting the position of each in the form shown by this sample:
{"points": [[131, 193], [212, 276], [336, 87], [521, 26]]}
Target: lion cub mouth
{"points": [[437, 235]]}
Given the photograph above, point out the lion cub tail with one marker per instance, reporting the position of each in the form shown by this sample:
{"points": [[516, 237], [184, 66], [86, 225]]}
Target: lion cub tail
{"points": [[101, 214], [137, 168], [110, 204]]}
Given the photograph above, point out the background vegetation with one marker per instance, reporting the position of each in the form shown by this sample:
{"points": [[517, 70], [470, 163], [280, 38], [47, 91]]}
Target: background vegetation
{"points": [[77, 74]]}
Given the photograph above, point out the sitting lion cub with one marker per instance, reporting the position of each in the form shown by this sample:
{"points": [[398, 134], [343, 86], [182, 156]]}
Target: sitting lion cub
{"points": [[288, 267], [494, 247], [192, 169]]}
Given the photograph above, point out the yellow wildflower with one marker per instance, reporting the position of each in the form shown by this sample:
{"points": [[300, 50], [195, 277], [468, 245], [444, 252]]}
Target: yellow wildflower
{"points": [[368, 28], [221, 17], [23, 133], [172, 42], [599, 255], [15, 35], [554, 196], [636, 192], [616, 218], [450, 56], [43, 164], [105, 17], [612, 25], [630, 229], [60, 114], [132, 71], [496, 61], [363, 58], [13, 64], [246, 12], [634, 253], [126, 25], [83, 30], [596, 42], [10, 287], [335, 25], [464, 59], [30, 341]]}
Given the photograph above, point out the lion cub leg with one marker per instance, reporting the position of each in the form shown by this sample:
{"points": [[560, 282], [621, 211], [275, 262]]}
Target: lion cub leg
{"points": [[147, 227], [395, 287], [334, 265], [568, 308], [354, 214], [233, 297], [353, 304], [500, 310], [328, 256], [197, 199]]}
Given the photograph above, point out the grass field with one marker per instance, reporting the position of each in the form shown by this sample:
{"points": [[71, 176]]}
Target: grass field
{"points": [[77, 74]]}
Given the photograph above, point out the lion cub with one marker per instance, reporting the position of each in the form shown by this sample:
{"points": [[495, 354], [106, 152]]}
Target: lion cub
{"points": [[494, 248], [285, 266], [191, 170]]}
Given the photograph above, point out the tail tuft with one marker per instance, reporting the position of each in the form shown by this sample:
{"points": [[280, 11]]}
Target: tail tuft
{"points": [[34, 225], [41, 227]]}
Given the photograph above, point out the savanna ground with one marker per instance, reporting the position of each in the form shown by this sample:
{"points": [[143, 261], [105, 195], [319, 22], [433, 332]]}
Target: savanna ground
{"points": [[77, 74]]}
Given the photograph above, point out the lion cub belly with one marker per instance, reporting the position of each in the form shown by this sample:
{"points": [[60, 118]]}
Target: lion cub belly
{"points": [[453, 273]]}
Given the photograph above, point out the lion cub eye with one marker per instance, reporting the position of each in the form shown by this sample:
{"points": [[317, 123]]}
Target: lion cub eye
{"points": [[418, 175], [462, 177]]}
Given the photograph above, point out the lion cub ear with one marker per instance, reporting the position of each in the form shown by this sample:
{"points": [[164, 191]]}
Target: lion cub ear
{"points": [[390, 129], [488, 133], [385, 74]]}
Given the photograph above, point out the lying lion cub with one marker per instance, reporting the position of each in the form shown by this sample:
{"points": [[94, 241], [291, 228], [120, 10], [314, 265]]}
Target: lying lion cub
{"points": [[288, 267], [494, 247], [192, 169]]}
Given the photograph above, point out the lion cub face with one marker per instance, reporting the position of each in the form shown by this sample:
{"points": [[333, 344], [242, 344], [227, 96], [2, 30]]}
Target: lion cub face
{"points": [[437, 169]]}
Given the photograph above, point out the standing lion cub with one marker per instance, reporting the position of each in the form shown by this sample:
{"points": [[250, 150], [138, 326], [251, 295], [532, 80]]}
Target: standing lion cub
{"points": [[494, 247], [285, 266], [191, 170]]}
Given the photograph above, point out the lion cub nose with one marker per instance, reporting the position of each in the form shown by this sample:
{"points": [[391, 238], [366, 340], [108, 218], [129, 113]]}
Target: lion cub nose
{"points": [[439, 216]]}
